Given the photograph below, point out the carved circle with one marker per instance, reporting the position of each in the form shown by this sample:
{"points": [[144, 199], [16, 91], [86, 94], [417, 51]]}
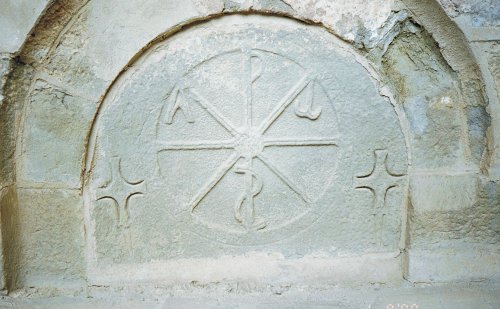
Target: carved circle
{"points": [[246, 139], [303, 102]]}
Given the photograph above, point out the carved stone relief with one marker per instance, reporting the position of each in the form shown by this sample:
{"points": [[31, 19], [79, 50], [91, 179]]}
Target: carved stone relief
{"points": [[248, 139], [251, 133]]}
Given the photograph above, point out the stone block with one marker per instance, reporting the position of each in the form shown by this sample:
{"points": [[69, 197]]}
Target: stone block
{"points": [[50, 24], [86, 58], [453, 211], [479, 13], [239, 145], [7, 131], [56, 126], [5, 201], [458, 264], [430, 94], [9, 228], [16, 20], [51, 238], [430, 193]]}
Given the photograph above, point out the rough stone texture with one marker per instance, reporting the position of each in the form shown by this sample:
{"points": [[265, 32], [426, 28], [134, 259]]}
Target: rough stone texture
{"points": [[4, 200], [427, 193], [442, 131], [7, 136], [16, 20], [46, 35], [356, 20], [440, 224], [435, 296], [10, 228], [247, 163], [87, 50], [50, 254], [494, 65], [43, 166], [436, 113], [452, 227], [481, 12], [486, 54]]}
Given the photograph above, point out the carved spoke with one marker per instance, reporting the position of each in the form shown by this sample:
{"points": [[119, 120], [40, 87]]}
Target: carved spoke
{"points": [[249, 140], [214, 112], [221, 172], [283, 104], [313, 141], [287, 181], [196, 145]]}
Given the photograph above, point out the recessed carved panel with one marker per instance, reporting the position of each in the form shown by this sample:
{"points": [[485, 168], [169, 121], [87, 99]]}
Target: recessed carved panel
{"points": [[246, 133]]}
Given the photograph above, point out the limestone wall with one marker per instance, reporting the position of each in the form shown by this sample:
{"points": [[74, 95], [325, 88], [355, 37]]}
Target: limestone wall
{"points": [[401, 99]]}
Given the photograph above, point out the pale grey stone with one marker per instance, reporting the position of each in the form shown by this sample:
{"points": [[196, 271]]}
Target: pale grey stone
{"points": [[7, 130], [480, 12], [431, 193], [416, 111], [457, 218], [85, 57], [146, 217], [459, 264], [52, 150], [5, 201], [52, 253], [176, 136], [345, 18], [424, 83], [16, 20]]}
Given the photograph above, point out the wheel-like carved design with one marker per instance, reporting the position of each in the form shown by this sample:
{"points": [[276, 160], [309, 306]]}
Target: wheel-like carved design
{"points": [[249, 140]]}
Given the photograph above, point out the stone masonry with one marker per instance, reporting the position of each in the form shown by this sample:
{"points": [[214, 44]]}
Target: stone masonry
{"points": [[248, 145]]}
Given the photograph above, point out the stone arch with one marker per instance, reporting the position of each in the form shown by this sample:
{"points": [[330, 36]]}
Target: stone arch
{"points": [[62, 24], [134, 68]]}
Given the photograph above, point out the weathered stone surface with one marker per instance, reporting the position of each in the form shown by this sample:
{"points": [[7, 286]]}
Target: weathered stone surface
{"points": [[346, 18], [427, 194], [43, 38], [494, 65], [463, 296], [245, 142], [180, 190], [51, 237], [454, 230], [481, 12], [5, 67], [55, 119], [16, 20], [10, 233], [7, 147], [459, 264], [86, 58], [5, 201], [433, 103], [456, 217]]}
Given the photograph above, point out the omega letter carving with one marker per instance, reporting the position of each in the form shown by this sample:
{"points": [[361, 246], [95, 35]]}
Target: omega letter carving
{"points": [[249, 140], [249, 132]]}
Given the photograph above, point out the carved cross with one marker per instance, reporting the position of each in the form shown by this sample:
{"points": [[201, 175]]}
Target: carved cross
{"points": [[379, 181], [249, 141], [120, 190]]}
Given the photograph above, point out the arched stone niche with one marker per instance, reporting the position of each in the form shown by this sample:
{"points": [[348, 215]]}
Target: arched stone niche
{"points": [[239, 138], [136, 159]]}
